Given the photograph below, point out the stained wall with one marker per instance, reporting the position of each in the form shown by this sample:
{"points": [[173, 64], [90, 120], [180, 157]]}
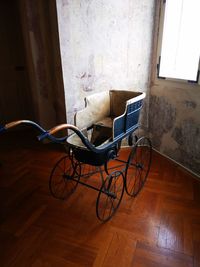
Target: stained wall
{"points": [[104, 45], [175, 122]]}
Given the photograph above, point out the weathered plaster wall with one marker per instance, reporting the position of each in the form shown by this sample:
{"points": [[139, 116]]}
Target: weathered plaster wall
{"points": [[104, 44], [174, 117], [175, 123]]}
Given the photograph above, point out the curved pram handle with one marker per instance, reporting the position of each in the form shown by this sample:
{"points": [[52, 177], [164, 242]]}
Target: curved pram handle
{"points": [[34, 125], [19, 122], [49, 135]]}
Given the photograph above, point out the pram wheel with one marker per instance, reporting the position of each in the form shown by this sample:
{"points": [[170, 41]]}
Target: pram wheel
{"points": [[110, 196], [61, 184], [138, 166]]}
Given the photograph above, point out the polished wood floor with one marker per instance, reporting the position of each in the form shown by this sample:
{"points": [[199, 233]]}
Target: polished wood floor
{"points": [[158, 228]]}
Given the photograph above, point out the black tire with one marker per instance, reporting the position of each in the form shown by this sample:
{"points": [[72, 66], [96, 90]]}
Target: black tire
{"points": [[110, 196], [138, 166], [61, 184]]}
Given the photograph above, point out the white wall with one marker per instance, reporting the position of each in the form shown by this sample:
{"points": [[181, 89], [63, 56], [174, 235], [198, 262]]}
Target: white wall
{"points": [[104, 44]]}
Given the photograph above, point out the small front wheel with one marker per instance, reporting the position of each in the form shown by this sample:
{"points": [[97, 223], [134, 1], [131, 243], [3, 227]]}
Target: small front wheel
{"points": [[138, 166], [110, 196], [64, 177]]}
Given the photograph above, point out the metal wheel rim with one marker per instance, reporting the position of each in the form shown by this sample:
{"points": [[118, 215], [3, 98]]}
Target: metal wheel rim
{"points": [[109, 207], [137, 168], [59, 186]]}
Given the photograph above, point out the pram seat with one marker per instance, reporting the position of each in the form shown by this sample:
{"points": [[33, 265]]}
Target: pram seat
{"points": [[107, 118], [110, 114]]}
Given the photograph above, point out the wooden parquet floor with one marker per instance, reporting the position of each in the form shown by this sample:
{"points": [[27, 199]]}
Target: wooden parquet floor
{"points": [[160, 227]]}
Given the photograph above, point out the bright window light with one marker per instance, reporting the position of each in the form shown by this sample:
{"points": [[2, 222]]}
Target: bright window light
{"points": [[180, 49]]}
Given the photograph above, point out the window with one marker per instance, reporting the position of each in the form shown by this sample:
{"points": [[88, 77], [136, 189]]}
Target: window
{"points": [[180, 45]]}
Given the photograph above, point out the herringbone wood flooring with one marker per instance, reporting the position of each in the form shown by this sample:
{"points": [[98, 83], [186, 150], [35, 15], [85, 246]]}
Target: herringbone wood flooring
{"points": [[160, 227]]}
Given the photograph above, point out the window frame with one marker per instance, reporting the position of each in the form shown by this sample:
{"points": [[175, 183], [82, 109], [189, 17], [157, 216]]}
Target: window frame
{"points": [[158, 54]]}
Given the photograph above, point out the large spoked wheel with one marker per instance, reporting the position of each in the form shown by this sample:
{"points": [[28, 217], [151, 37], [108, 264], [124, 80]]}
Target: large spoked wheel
{"points": [[138, 166], [110, 196], [61, 184]]}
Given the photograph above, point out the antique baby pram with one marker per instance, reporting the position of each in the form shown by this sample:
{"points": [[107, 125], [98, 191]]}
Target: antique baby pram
{"points": [[108, 118]]}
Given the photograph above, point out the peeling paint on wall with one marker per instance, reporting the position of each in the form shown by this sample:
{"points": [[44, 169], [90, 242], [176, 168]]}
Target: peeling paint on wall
{"points": [[104, 45], [187, 135], [175, 123], [188, 138], [190, 104], [162, 116]]}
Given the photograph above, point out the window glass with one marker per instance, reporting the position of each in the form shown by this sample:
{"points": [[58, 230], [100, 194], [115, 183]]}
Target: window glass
{"points": [[180, 48]]}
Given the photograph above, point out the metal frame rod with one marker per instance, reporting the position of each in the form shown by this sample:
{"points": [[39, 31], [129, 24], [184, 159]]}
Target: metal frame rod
{"points": [[91, 186], [97, 171], [121, 160]]}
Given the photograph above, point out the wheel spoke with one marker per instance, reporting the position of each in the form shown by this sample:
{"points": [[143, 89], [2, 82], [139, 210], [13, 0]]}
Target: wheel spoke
{"points": [[58, 183], [64, 164], [61, 169], [105, 208], [111, 207], [140, 179]]}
